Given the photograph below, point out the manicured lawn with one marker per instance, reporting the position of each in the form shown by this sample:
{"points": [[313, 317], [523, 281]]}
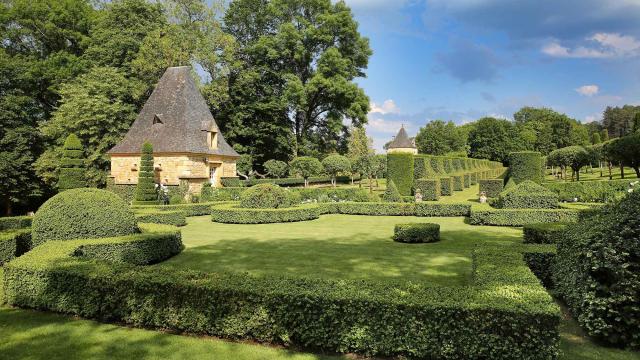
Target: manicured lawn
{"points": [[337, 246], [587, 174]]}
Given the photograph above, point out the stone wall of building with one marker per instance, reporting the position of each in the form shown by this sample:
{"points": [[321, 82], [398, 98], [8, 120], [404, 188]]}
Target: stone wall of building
{"points": [[172, 168]]}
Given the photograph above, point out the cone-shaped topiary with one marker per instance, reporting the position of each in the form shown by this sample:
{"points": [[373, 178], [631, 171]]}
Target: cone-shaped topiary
{"points": [[72, 172], [391, 194], [146, 188], [83, 214]]}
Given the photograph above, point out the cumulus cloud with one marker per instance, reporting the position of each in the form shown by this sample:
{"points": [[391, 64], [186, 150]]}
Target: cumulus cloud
{"points": [[388, 106], [468, 62], [600, 45], [588, 90]]}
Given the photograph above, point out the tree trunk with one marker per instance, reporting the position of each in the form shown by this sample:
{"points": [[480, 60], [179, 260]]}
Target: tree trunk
{"points": [[370, 185], [621, 171], [637, 169], [8, 209], [333, 181], [610, 166], [577, 175]]}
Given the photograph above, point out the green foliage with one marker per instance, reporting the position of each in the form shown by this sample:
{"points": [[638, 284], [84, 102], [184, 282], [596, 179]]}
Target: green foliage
{"points": [[446, 186], [424, 209], [83, 213], [267, 196], [232, 214], [305, 167], [244, 165], [303, 64], [540, 259], [458, 182], [334, 195], [588, 191], [440, 138], [276, 168], [618, 121], [521, 217], [596, 272], [494, 139], [13, 244], [97, 106], [416, 233], [573, 157], [175, 217], [145, 189], [510, 184], [545, 130], [391, 193], [358, 144], [526, 165], [626, 150], [437, 164], [336, 164], [595, 138], [72, 174], [400, 170], [429, 188], [491, 187], [198, 209], [527, 195], [549, 233], [15, 222]]}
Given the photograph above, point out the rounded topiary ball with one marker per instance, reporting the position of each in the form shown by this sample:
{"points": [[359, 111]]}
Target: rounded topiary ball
{"points": [[83, 214], [266, 196]]}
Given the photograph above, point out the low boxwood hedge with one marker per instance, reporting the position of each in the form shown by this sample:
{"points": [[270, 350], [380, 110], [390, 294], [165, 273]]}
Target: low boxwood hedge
{"points": [[503, 314], [233, 214], [466, 180], [427, 209], [374, 209], [196, 209], [521, 217], [235, 182], [14, 243], [527, 195], [548, 233], [175, 217], [416, 233], [588, 191], [458, 182], [446, 186], [15, 222], [491, 187], [540, 259]]}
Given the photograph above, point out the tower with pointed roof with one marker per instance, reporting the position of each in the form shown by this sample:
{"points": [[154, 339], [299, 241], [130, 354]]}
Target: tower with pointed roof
{"points": [[187, 143], [401, 143]]}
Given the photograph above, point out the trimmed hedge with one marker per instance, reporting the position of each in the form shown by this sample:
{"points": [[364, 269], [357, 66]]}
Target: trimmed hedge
{"points": [[195, 209], [527, 195], [400, 170], [175, 217], [305, 194], [14, 243], [146, 193], [72, 165], [442, 210], [466, 180], [232, 214], [503, 314], [446, 186], [267, 196], [474, 178], [526, 165], [521, 217], [458, 182], [491, 187], [597, 272], [429, 188], [15, 222], [209, 194], [540, 259], [549, 233], [391, 193], [416, 233], [236, 182], [588, 191], [372, 209], [83, 213]]}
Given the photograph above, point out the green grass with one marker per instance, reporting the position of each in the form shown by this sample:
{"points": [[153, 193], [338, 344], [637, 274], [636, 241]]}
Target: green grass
{"points": [[587, 174], [337, 246]]}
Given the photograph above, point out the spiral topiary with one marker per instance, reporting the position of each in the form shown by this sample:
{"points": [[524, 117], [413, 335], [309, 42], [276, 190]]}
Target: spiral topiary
{"points": [[83, 214], [267, 196], [72, 172]]}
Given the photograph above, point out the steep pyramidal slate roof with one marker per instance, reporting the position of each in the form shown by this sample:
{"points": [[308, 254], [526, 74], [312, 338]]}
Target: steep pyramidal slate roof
{"points": [[175, 119], [401, 140]]}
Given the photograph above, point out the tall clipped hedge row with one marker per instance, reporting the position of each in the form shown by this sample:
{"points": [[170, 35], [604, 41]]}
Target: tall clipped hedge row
{"points": [[526, 165], [400, 170]]}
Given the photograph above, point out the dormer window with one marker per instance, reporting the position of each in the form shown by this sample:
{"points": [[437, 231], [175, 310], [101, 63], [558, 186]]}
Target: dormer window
{"points": [[157, 119], [212, 139]]}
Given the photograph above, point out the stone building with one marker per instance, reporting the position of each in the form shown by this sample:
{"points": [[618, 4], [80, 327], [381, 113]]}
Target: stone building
{"points": [[187, 143], [402, 144]]}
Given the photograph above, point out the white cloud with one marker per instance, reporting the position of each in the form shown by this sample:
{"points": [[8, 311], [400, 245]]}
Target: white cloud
{"points": [[588, 90], [387, 107], [379, 125], [591, 118], [600, 45]]}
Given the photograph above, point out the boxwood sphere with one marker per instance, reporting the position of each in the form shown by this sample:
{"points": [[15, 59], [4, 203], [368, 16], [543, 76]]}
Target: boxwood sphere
{"points": [[267, 196], [83, 214]]}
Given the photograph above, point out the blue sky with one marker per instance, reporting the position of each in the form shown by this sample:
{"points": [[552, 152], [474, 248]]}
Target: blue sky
{"points": [[463, 59]]}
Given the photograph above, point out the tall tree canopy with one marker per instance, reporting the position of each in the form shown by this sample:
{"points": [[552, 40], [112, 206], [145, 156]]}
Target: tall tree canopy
{"points": [[545, 130], [619, 120], [293, 84], [439, 138], [494, 139]]}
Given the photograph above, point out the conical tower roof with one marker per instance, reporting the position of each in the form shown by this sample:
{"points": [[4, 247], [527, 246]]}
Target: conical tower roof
{"points": [[402, 141], [175, 119]]}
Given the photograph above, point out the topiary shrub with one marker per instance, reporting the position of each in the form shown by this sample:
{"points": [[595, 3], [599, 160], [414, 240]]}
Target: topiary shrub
{"points": [[391, 194], [458, 182], [83, 214], [145, 190], [400, 170], [429, 188], [491, 187], [446, 186], [597, 272], [510, 183], [266, 196], [527, 195], [72, 165], [526, 165], [548, 233], [417, 233]]}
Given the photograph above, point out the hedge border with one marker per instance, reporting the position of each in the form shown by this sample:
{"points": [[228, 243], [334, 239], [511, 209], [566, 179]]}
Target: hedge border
{"points": [[14, 243], [15, 222], [491, 187], [232, 214], [175, 217], [416, 233], [520, 217]]}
